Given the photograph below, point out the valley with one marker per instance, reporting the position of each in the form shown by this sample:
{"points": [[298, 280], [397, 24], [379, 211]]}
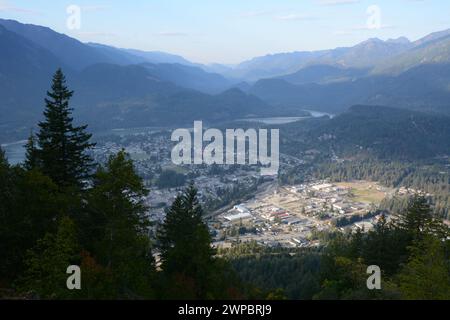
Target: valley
{"points": [[285, 175]]}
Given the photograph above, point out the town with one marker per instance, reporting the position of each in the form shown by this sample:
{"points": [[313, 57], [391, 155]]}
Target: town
{"points": [[292, 216], [241, 204]]}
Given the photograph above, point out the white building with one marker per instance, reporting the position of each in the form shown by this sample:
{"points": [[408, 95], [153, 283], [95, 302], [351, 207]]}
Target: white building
{"points": [[238, 216]]}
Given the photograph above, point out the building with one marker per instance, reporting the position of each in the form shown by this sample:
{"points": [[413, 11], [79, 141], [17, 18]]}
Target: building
{"points": [[238, 216], [241, 209]]}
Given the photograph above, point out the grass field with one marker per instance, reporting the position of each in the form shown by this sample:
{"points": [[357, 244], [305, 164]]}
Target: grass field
{"points": [[365, 191]]}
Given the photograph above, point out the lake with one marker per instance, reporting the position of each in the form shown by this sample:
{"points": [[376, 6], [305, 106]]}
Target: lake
{"points": [[286, 120], [15, 151]]}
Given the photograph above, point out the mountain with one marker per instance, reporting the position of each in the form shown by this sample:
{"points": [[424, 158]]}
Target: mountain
{"points": [[79, 55], [159, 57], [71, 52], [129, 92], [372, 53], [432, 49], [363, 55], [116, 87], [25, 70], [323, 73], [129, 96], [386, 133], [425, 88], [271, 65], [172, 68], [189, 77], [114, 54], [432, 36]]}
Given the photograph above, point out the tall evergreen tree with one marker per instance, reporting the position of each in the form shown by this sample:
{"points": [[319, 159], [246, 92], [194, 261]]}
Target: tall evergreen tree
{"points": [[6, 218], [45, 275], [185, 244], [116, 227], [31, 155], [426, 276], [418, 221], [62, 146]]}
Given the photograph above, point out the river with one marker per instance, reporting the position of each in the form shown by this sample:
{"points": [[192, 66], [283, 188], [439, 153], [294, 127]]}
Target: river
{"points": [[15, 151]]}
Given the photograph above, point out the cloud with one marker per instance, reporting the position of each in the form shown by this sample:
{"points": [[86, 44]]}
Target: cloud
{"points": [[342, 32], [172, 34], [294, 17], [252, 14], [355, 29], [383, 26], [8, 6], [94, 8], [336, 2], [96, 34]]}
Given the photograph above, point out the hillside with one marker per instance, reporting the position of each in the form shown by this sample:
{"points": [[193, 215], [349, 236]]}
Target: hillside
{"points": [[423, 88], [112, 86], [386, 133], [324, 74], [431, 51], [363, 55]]}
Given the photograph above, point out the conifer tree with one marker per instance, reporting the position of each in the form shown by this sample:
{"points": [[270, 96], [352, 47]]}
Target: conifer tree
{"points": [[185, 244], [116, 227], [418, 221], [45, 276], [31, 154], [62, 146], [427, 274]]}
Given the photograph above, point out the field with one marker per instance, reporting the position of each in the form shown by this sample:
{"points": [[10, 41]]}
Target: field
{"points": [[366, 191]]}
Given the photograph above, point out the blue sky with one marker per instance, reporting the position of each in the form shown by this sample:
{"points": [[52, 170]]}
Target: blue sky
{"points": [[230, 31]]}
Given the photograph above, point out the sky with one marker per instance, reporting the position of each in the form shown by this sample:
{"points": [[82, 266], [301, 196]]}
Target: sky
{"points": [[231, 31]]}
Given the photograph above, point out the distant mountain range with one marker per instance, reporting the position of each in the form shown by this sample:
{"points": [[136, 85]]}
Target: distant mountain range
{"points": [[113, 87], [364, 55], [370, 54], [125, 87], [417, 77], [424, 88]]}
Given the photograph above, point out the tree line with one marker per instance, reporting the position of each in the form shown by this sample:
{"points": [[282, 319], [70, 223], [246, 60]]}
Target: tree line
{"points": [[59, 208], [412, 251]]}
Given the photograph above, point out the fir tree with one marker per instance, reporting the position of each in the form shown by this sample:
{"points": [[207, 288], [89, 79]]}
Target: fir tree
{"points": [[31, 155], [185, 245], [62, 146], [427, 274], [45, 276], [116, 227], [418, 221]]}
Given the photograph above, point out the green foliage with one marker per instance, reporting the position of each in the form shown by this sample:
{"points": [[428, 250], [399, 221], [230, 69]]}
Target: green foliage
{"points": [[31, 155], [51, 220], [171, 179], [432, 178], [414, 264], [389, 246], [190, 269], [426, 276], [46, 264], [115, 230], [29, 208], [62, 146]]}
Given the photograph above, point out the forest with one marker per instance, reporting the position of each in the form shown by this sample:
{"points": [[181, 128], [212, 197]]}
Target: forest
{"points": [[60, 209], [413, 253]]}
